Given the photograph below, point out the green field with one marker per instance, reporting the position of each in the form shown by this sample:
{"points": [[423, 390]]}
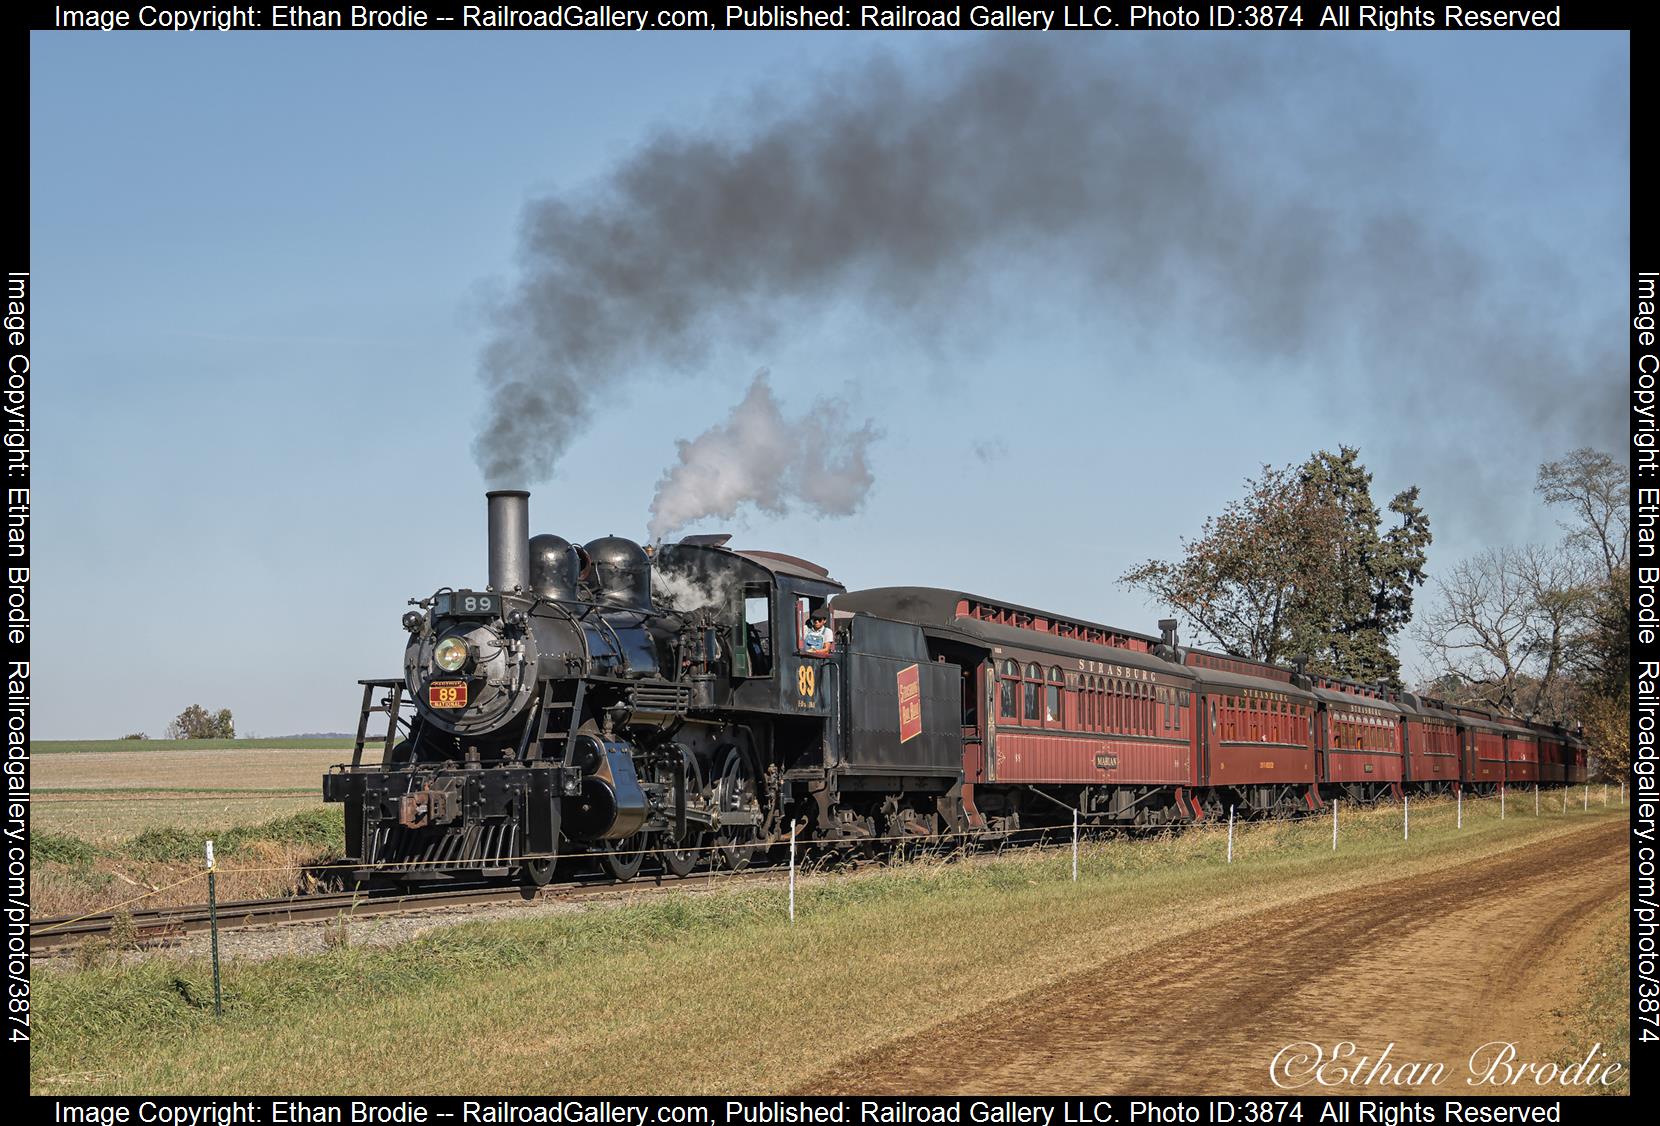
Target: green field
{"points": [[95, 746], [631, 999]]}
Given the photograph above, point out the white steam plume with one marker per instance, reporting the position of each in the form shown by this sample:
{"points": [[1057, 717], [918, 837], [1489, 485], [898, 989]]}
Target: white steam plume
{"points": [[759, 457]]}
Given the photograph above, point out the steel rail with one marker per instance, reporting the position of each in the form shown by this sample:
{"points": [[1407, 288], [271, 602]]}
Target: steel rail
{"points": [[163, 924]]}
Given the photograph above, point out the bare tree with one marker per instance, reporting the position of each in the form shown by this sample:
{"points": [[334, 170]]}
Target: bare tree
{"points": [[1502, 624], [1594, 488]]}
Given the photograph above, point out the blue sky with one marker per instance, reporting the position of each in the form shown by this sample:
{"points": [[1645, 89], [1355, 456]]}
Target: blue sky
{"points": [[261, 265]]}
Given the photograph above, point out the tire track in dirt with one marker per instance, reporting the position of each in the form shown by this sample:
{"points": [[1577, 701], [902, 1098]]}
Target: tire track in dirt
{"points": [[1434, 965]]}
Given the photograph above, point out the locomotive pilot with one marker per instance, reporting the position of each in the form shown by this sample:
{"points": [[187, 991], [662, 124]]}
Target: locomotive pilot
{"points": [[819, 639]]}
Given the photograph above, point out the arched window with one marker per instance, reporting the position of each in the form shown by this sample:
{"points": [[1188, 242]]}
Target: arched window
{"points": [[1034, 683], [1006, 690], [1052, 699]]}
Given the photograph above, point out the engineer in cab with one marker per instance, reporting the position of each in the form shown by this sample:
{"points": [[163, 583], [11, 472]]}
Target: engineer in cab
{"points": [[818, 639]]}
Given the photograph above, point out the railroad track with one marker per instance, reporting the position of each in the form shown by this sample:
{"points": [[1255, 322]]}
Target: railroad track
{"points": [[163, 924], [160, 925]]}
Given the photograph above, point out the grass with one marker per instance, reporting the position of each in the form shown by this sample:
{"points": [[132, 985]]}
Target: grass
{"points": [[109, 826], [128, 746], [707, 993], [71, 876], [1603, 1020]]}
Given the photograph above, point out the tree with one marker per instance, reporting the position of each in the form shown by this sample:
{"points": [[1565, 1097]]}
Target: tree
{"points": [[1501, 628], [196, 722], [1595, 491], [1545, 633], [1371, 578], [1298, 566]]}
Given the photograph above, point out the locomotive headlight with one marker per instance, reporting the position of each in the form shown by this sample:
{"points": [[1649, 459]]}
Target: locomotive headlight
{"points": [[450, 654]]}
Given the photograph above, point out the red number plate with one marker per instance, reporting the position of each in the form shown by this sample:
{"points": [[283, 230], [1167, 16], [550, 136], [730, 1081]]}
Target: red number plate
{"points": [[447, 694]]}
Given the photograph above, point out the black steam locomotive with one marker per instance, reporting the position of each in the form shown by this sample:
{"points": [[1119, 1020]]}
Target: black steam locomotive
{"points": [[625, 703]]}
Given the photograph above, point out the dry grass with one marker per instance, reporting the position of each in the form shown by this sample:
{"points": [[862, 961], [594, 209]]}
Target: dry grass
{"points": [[261, 871], [717, 993], [1603, 1020], [108, 818], [92, 809]]}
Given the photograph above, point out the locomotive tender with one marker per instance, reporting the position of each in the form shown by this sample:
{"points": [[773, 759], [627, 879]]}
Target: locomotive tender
{"points": [[627, 703]]}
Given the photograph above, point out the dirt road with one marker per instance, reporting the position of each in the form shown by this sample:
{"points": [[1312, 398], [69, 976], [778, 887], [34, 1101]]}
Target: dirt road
{"points": [[1428, 967]]}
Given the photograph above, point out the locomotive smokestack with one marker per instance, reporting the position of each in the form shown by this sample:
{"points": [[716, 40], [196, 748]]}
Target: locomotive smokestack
{"points": [[509, 540]]}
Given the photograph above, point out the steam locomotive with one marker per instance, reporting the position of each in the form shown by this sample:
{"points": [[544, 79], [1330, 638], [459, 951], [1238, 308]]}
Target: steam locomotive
{"points": [[626, 704]]}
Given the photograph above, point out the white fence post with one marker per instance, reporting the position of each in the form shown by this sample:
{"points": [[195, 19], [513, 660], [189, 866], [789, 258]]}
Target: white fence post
{"points": [[1406, 819], [1230, 834], [1074, 846], [1587, 797], [792, 871], [1334, 806], [1501, 801], [1536, 799]]}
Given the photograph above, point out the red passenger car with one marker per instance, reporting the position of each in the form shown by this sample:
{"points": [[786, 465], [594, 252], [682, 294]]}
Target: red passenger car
{"points": [[1483, 749], [1575, 759], [1521, 753], [1553, 765], [1432, 743], [1360, 740], [1257, 737]]}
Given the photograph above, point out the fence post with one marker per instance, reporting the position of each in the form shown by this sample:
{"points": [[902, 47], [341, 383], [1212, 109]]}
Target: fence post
{"points": [[1334, 806], [1622, 791], [213, 930], [1406, 819], [1587, 807], [1230, 834], [1074, 846], [1536, 799], [1564, 799], [1461, 808], [1605, 793], [1501, 801], [792, 871]]}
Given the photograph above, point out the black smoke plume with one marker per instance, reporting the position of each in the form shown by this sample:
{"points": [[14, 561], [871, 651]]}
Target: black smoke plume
{"points": [[1118, 172]]}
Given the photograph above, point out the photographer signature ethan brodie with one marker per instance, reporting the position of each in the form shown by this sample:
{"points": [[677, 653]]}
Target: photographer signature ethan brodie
{"points": [[1496, 1063]]}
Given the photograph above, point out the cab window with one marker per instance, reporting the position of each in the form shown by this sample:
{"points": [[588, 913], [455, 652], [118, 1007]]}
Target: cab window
{"points": [[758, 627], [804, 607]]}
